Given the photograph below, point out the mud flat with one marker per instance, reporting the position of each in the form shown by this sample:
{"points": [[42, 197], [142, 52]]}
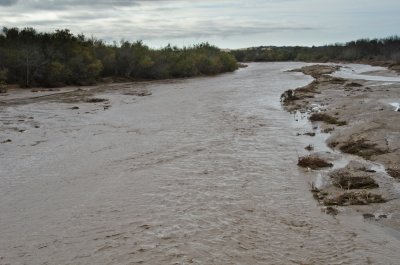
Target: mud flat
{"points": [[356, 106]]}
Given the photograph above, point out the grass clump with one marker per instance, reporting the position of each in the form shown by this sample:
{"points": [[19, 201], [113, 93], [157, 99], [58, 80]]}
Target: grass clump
{"points": [[347, 180], [313, 162], [394, 172], [326, 118], [361, 148], [354, 198]]}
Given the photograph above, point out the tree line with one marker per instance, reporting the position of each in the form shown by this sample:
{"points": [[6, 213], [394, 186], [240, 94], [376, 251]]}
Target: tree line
{"points": [[363, 50], [30, 58]]}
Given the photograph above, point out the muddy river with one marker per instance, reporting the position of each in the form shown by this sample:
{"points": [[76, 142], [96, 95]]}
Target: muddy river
{"points": [[203, 171]]}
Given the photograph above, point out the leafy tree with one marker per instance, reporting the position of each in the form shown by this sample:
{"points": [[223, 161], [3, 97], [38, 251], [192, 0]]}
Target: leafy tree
{"points": [[60, 58]]}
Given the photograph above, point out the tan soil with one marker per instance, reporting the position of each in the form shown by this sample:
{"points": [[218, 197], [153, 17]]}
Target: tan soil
{"points": [[369, 128], [365, 107]]}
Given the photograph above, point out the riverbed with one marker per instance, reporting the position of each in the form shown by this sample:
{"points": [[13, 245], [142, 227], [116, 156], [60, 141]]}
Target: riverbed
{"points": [[202, 171]]}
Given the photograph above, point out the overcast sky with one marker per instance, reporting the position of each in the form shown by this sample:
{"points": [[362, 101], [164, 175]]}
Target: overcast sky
{"points": [[225, 23]]}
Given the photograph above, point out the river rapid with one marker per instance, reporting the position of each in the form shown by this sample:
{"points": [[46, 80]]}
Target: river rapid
{"points": [[203, 171]]}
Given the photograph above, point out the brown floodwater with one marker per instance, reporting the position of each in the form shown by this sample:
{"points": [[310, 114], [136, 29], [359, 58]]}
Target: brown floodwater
{"points": [[203, 171]]}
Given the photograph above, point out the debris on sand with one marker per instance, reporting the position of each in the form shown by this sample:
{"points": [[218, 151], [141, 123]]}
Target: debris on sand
{"points": [[331, 210], [288, 95], [352, 179], [75, 107], [309, 147], [332, 144], [312, 134], [353, 84], [361, 148], [394, 172], [96, 100], [6, 141], [328, 130], [313, 162], [326, 118], [353, 198], [368, 216]]}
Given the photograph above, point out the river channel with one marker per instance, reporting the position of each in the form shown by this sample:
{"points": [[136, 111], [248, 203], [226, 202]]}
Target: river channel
{"points": [[203, 171]]}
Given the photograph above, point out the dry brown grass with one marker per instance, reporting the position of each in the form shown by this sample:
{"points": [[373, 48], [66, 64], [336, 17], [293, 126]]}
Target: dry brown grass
{"points": [[313, 162], [394, 172], [347, 180], [354, 198], [326, 118], [361, 148]]}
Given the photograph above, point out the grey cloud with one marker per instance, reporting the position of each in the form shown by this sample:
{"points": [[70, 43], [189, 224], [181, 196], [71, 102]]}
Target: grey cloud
{"points": [[8, 2], [201, 29], [63, 4]]}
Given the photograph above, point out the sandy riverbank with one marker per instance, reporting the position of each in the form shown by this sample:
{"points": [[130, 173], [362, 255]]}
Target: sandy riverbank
{"points": [[360, 115]]}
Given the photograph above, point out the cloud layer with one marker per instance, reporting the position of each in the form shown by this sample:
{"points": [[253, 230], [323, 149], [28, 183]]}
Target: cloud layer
{"points": [[8, 2], [228, 23]]}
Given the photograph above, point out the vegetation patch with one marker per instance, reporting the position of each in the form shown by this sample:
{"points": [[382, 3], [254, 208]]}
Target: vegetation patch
{"points": [[346, 179], [365, 50], [361, 148], [394, 172], [313, 162], [326, 118], [353, 198], [30, 58]]}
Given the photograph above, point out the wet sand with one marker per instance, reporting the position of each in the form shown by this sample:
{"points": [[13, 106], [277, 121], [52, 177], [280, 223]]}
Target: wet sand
{"points": [[363, 98], [203, 171]]}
